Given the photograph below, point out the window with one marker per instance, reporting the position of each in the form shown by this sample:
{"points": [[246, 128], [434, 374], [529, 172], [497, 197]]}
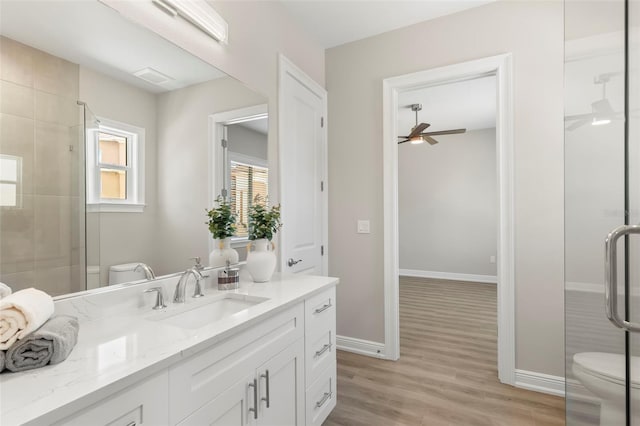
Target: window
{"points": [[10, 181], [246, 181], [115, 167]]}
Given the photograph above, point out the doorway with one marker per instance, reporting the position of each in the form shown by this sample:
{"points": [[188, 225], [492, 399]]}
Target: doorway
{"points": [[393, 88]]}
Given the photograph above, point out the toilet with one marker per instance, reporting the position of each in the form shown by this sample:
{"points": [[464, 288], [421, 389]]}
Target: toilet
{"points": [[125, 273], [603, 374]]}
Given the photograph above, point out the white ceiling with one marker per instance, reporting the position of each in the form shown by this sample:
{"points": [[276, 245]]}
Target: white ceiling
{"points": [[335, 22], [91, 34], [467, 104]]}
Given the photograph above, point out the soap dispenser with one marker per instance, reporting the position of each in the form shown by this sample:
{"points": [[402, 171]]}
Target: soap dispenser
{"points": [[228, 279]]}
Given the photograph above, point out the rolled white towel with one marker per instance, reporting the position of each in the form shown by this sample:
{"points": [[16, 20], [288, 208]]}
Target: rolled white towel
{"points": [[5, 290], [21, 313]]}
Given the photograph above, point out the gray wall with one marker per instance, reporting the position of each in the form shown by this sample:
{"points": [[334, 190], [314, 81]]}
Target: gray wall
{"points": [[533, 32], [123, 237], [247, 142], [447, 204]]}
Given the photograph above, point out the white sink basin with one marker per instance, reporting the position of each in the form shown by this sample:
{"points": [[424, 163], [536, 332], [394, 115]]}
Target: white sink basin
{"points": [[207, 311]]}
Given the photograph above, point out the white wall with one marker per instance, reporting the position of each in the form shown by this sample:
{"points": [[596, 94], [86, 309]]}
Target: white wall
{"points": [[447, 204], [533, 32], [123, 237]]}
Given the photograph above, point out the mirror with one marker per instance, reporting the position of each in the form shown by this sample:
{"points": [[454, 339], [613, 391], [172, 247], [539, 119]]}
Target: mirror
{"points": [[108, 148]]}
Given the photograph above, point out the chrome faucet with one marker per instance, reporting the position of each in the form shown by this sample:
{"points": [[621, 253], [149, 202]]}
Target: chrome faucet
{"points": [[179, 295], [148, 272]]}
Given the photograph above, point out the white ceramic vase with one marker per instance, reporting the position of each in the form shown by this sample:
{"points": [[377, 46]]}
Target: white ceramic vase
{"points": [[222, 252], [261, 260]]}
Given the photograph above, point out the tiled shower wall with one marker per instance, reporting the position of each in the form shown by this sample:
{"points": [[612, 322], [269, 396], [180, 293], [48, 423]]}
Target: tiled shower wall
{"points": [[42, 241]]}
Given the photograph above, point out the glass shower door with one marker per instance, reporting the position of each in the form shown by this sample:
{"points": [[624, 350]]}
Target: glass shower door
{"points": [[602, 194]]}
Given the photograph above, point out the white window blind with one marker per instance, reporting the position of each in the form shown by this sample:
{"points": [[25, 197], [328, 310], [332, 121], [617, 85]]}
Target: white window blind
{"points": [[247, 181]]}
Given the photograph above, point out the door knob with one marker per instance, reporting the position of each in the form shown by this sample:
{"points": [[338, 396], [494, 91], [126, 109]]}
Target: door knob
{"points": [[292, 262]]}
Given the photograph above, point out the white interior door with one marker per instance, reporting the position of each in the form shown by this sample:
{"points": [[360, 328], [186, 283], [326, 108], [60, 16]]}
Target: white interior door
{"points": [[302, 129]]}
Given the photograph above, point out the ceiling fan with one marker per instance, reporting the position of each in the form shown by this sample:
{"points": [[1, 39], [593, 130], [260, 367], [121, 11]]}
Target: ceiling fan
{"points": [[417, 136], [601, 110]]}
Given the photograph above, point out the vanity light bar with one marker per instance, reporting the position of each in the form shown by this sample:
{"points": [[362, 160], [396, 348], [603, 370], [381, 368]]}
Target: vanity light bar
{"points": [[198, 13]]}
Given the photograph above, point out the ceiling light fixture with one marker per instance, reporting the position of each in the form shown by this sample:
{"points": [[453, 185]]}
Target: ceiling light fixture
{"points": [[200, 14], [416, 140]]}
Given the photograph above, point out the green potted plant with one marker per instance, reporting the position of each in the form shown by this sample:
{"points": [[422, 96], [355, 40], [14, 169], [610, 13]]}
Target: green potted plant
{"points": [[264, 222], [222, 225]]}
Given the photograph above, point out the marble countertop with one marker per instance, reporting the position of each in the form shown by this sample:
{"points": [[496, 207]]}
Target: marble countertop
{"points": [[119, 343]]}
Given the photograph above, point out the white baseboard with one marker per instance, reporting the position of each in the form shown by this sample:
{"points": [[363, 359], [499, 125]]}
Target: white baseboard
{"points": [[360, 346], [492, 279], [540, 382]]}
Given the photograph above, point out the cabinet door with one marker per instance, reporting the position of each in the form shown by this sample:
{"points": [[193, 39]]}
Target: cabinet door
{"points": [[230, 408], [282, 388], [145, 403]]}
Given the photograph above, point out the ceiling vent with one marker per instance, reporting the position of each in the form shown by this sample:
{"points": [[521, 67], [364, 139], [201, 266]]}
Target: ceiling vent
{"points": [[152, 76]]}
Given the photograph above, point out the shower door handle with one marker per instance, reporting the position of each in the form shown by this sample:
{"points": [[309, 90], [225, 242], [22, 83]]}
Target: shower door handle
{"points": [[611, 276]]}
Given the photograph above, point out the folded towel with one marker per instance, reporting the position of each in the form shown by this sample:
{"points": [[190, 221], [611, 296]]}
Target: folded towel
{"points": [[2, 355], [50, 344], [5, 290], [21, 313]]}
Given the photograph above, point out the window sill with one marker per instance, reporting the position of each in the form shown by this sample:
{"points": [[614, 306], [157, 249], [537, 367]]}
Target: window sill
{"points": [[115, 208]]}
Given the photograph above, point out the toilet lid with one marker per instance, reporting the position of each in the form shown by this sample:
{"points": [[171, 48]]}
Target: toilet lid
{"points": [[608, 366]]}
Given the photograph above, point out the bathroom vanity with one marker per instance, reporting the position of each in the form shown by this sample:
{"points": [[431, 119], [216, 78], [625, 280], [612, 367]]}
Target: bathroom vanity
{"points": [[260, 355]]}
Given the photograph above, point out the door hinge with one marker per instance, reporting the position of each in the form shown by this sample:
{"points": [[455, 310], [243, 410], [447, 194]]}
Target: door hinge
{"points": [[321, 185], [224, 143], [321, 250], [321, 121]]}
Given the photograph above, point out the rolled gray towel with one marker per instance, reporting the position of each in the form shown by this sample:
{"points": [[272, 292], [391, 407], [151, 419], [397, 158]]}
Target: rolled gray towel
{"points": [[1, 361], [50, 344]]}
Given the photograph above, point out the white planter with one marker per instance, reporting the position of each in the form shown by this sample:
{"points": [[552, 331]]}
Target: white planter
{"points": [[261, 261], [222, 252]]}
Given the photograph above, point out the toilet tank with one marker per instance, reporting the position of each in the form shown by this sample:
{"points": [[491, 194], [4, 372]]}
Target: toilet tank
{"points": [[125, 273]]}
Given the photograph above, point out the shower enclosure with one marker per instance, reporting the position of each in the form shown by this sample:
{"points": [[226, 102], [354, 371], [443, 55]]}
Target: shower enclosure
{"points": [[602, 202]]}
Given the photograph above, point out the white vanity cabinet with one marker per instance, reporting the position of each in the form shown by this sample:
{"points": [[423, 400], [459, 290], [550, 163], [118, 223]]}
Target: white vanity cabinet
{"points": [[320, 356], [275, 370], [237, 373]]}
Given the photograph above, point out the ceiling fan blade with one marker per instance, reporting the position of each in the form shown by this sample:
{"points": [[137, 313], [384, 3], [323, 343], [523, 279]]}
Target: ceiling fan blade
{"points": [[406, 140], [431, 140], [445, 132], [418, 129]]}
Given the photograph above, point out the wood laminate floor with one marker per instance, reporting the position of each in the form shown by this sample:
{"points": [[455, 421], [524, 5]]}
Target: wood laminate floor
{"points": [[447, 372]]}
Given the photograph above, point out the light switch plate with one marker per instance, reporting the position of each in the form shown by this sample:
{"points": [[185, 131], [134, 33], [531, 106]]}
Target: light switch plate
{"points": [[364, 227]]}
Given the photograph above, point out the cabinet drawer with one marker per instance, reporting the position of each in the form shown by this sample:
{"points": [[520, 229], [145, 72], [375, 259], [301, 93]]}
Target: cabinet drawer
{"points": [[320, 313], [142, 404], [321, 396], [201, 378], [320, 353]]}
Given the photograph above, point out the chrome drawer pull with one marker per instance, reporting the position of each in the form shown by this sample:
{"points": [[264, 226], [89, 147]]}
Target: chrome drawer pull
{"points": [[254, 385], [323, 350], [325, 398], [267, 399], [324, 308]]}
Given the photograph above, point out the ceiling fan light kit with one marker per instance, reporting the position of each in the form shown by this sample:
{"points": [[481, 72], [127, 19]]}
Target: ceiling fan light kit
{"points": [[417, 137]]}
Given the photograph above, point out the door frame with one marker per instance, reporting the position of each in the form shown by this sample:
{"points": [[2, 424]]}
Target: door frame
{"points": [[217, 122], [286, 68], [501, 67]]}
